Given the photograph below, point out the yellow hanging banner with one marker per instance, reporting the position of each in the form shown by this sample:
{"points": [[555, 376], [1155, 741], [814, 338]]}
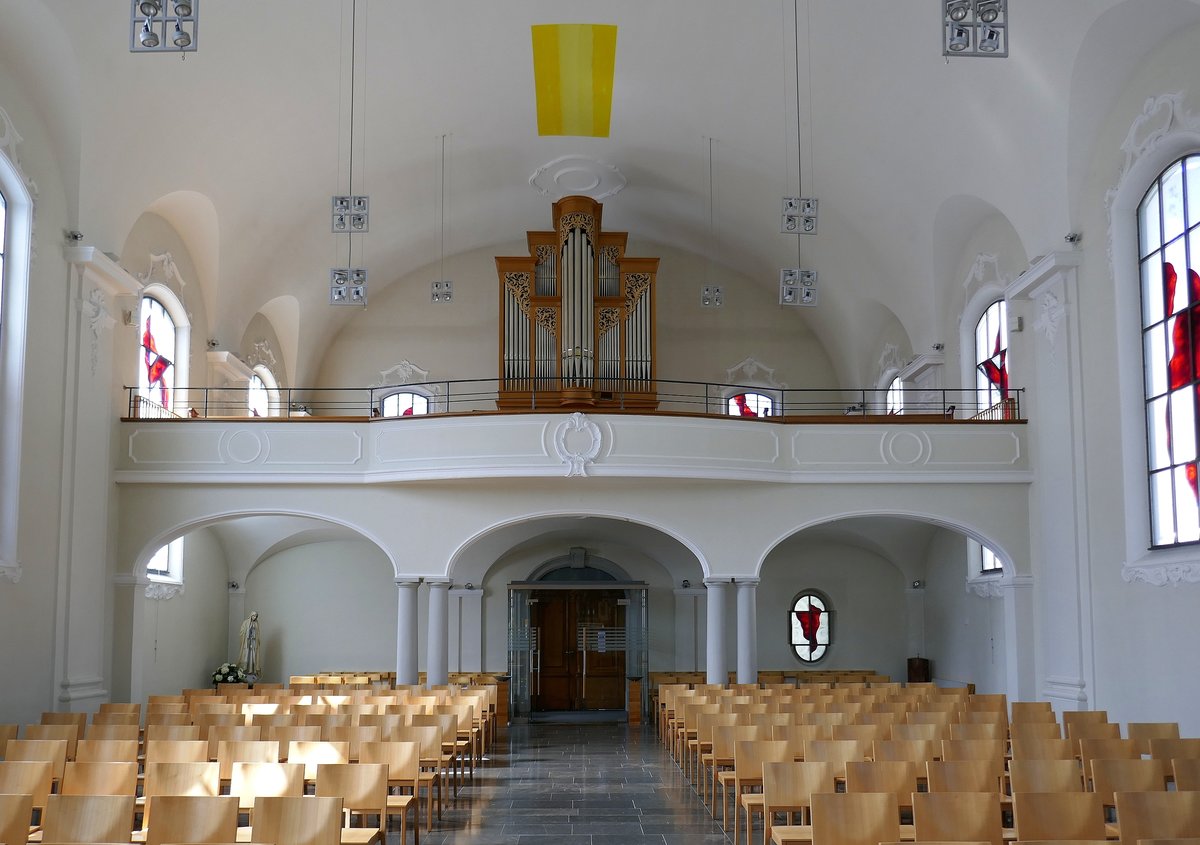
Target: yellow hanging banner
{"points": [[573, 67]]}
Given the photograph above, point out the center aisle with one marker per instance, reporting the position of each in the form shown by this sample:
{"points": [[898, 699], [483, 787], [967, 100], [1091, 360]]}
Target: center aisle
{"points": [[576, 784]]}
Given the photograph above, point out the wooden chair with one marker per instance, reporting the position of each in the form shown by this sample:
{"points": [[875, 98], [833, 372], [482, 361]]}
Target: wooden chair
{"points": [[1082, 717], [363, 790], [720, 757], [1143, 732], [403, 760], [98, 731], [1157, 815], [125, 719], [1187, 774], [244, 751], [184, 778], [16, 811], [939, 816], [870, 733], [894, 776], [169, 717], [747, 773], [1174, 749], [429, 738], [354, 736], [788, 789], [79, 720], [28, 777], [1108, 749], [288, 820], [1093, 730], [702, 743], [176, 751], [864, 818], [1043, 748], [916, 750], [249, 781], [964, 775], [54, 750], [100, 778], [1044, 776], [88, 818], [313, 754], [191, 818], [1110, 776], [975, 749], [68, 731], [1058, 815]]}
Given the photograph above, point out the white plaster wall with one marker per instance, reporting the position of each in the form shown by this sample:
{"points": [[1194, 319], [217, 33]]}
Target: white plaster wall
{"points": [[964, 634], [867, 595], [324, 606], [1144, 636], [27, 608], [185, 636]]}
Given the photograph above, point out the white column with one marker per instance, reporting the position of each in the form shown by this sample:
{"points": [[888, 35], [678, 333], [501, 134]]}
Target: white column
{"points": [[406, 630], [1049, 360], [1017, 596], [689, 629], [747, 630], [717, 671], [437, 663]]}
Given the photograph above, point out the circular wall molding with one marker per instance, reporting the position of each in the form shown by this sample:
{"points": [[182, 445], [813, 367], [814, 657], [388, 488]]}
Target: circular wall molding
{"points": [[243, 447]]}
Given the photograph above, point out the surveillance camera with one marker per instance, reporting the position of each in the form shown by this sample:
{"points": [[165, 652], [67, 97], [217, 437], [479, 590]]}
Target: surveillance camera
{"points": [[213, 343], [73, 235], [938, 347]]}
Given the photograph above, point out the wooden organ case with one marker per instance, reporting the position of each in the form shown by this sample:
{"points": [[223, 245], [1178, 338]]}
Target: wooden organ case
{"points": [[577, 318]]}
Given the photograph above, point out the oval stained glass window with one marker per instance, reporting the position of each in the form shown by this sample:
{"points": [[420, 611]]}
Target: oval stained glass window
{"points": [[810, 625]]}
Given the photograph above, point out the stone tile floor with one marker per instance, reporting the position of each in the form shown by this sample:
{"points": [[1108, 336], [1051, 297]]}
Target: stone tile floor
{"points": [[576, 785]]}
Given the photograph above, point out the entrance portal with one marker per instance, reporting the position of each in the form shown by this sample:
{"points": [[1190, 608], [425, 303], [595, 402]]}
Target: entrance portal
{"points": [[573, 646]]}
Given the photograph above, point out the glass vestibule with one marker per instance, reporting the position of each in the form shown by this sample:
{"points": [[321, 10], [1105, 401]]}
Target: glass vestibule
{"points": [[575, 646]]}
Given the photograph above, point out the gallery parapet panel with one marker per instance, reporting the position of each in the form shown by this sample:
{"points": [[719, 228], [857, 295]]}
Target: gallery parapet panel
{"points": [[878, 449]]}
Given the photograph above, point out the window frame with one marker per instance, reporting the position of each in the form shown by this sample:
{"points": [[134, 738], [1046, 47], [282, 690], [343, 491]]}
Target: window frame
{"points": [[994, 328], [173, 574], [829, 625], [270, 386], [171, 303], [771, 396], [406, 390]]}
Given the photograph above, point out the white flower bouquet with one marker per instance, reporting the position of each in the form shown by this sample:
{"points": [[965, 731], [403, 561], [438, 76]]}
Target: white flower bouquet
{"points": [[229, 673]]}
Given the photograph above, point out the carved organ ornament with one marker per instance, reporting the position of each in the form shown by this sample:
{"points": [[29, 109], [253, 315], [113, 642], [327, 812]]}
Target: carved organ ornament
{"points": [[577, 317]]}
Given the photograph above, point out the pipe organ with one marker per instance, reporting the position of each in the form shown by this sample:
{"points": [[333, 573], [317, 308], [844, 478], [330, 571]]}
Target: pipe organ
{"points": [[577, 317]]}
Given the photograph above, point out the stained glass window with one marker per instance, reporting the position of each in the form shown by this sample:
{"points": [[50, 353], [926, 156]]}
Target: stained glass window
{"points": [[404, 404], [991, 355], [750, 405], [258, 400], [156, 371], [1168, 251], [810, 626]]}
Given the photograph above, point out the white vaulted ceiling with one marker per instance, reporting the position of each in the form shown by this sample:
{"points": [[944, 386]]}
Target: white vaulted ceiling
{"points": [[241, 145]]}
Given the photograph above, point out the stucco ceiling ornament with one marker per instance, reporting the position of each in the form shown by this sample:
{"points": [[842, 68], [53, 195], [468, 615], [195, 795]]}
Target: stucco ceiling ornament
{"points": [[1050, 318], [985, 268], [263, 355], [750, 371], [163, 592], [890, 360], [406, 372], [1164, 575], [94, 309], [10, 139], [577, 175], [577, 443]]}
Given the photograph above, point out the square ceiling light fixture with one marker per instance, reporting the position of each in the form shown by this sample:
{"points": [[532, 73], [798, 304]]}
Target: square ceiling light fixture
{"points": [[163, 26], [975, 28]]}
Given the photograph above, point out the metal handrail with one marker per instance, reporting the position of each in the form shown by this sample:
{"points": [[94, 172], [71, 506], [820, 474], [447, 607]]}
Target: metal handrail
{"points": [[481, 396]]}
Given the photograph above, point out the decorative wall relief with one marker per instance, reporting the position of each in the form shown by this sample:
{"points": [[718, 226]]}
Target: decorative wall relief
{"points": [[94, 308], [577, 443]]}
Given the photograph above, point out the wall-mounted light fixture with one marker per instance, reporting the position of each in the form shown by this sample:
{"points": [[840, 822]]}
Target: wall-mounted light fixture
{"points": [[975, 28]]}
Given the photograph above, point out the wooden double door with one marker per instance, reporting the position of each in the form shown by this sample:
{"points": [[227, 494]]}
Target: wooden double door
{"points": [[571, 677]]}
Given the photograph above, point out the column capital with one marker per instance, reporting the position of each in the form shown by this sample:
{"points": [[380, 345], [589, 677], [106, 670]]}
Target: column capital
{"points": [[408, 581], [747, 581], [437, 581], [718, 580]]}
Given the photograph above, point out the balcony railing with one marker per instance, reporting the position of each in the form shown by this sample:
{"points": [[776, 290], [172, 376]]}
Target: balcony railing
{"points": [[479, 396]]}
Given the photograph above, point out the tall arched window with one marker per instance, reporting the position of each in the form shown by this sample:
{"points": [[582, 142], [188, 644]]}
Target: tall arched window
{"points": [[262, 395], [1168, 221], [162, 363], [895, 397], [991, 356]]}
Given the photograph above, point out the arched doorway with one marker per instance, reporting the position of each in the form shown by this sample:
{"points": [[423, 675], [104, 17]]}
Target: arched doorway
{"points": [[577, 635]]}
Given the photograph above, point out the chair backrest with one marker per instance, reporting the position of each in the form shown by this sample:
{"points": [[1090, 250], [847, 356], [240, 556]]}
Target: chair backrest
{"points": [[749, 756], [7, 732], [403, 760], [88, 818], [925, 732], [97, 731], [313, 754], [116, 750], [232, 733], [92, 777], [795, 733], [1125, 775], [1045, 776], [1107, 749], [249, 780], [168, 717], [840, 751], [1158, 815], [1034, 730], [1058, 815], [870, 733], [858, 818], [942, 816], [898, 777], [291, 820], [245, 751], [1146, 731], [174, 733], [185, 778], [363, 787], [917, 750], [1093, 730], [354, 736], [285, 735], [1187, 773], [54, 750], [68, 731], [1175, 749], [191, 818], [1032, 711], [964, 775], [429, 737], [125, 719], [979, 730], [1043, 748], [79, 720], [176, 751], [16, 810], [27, 777], [974, 749]]}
